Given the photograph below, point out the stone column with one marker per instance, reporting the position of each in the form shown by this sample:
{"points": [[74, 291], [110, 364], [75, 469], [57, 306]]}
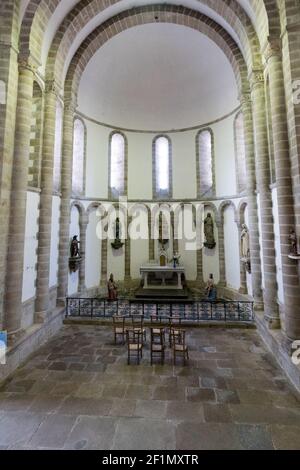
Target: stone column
{"points": [[44, 243], [66, 192], [17, 225], [265, 197], [83, 227], [127, 254], [256, 277], [220, 226], [284, 189]]}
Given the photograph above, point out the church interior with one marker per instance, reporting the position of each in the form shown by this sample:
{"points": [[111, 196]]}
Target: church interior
{"points": [[150, 224]]}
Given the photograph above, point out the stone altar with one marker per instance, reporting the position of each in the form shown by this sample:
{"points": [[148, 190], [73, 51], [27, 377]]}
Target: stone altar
{"points": [[162, 274]]}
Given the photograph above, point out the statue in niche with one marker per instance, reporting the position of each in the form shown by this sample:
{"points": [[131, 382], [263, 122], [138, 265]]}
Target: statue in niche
{"points": [[293, 243], [245, 248], [209, 232], [163, 230], [245, 243], [112, 288], [74, 250], [117, 243]]}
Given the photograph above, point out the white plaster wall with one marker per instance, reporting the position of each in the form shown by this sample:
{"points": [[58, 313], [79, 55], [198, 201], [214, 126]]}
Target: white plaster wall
{"points": [[139, 243], [140, 162], [92, 253], [31, 243], [97, 160], [231, 248], [139, 166], [225, 157], [277, 247], [54, 241], [116, 261], [73, 278], [184, 165], [210, 258]]}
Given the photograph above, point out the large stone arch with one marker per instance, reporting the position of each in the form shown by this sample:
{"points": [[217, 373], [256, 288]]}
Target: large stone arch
{"points": [[78, 18], [146, 15]]}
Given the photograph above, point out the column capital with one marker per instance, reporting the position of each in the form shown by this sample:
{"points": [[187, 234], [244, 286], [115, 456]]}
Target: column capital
{"points": [[70, 105], [245, 98], [256, 78], [272, 48], [28, 63], [52, 87]]}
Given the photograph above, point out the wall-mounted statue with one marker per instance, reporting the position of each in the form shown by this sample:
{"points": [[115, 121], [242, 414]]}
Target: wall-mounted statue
{"points": [[117, 243], [209, 232], [74, 248], [245, 247], [293, 243]]}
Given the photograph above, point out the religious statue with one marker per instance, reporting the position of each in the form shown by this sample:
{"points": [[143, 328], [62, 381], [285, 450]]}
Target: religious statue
{"points": [[209, 232], [176, 258], [245, 246], [210, 289], [112, 288], [74, 251], [117, 243], [293, 242], [163, 230]]}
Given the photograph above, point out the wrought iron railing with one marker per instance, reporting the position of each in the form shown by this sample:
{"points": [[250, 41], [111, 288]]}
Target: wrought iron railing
{"points": [[191, 311]]}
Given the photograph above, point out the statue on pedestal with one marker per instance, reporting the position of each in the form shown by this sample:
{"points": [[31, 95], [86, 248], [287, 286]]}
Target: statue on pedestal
{"points": [[293, 243], [74, 250], [210, 289], [117, 243], [209, 232], [245, 247], [112, 288]]}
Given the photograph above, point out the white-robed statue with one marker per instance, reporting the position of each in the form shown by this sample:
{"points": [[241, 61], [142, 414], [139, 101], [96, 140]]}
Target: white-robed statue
{"points": [[245, 243]]}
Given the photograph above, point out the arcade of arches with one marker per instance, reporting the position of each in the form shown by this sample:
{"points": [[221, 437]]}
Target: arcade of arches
{"points": [[190, 101]]}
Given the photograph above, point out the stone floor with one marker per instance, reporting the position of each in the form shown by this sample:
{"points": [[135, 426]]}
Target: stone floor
{"points": [[78, 392]]}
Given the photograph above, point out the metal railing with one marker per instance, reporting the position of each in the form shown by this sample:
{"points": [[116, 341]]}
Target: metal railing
{"points": [[193, 311]]}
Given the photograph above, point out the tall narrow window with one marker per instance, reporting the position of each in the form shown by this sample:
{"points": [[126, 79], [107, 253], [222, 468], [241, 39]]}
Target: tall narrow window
{"points": [[240, 153], [57, 147], [78, 157], [205, 181], [117, 165], [162, 168]]}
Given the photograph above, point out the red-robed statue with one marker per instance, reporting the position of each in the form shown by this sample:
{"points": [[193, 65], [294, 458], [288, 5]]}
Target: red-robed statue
{"points": [[112, 288]]}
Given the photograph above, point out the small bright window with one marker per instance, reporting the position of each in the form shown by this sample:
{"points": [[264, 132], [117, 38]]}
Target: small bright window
{"points": [[78, 157], [117, 164], [162, 166]]}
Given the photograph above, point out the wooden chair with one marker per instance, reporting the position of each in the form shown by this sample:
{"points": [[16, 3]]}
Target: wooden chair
{"points": [[138, 325], [119, 327], [157, 347], [179, 346], [134, 344], [174, 327]]}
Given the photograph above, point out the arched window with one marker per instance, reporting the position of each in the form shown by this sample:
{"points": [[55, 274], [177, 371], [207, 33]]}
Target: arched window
{"points": [[162, 183], [57, 147], [240, 153], [205, 181], [117, 165], [78, 157]]}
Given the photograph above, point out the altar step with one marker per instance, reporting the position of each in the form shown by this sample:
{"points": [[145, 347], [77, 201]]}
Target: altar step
{"points": [[163, 294]]}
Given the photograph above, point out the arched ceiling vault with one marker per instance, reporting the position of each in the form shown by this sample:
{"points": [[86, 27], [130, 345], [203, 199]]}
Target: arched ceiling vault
{"points": [[75, 18], [152, 14]]}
